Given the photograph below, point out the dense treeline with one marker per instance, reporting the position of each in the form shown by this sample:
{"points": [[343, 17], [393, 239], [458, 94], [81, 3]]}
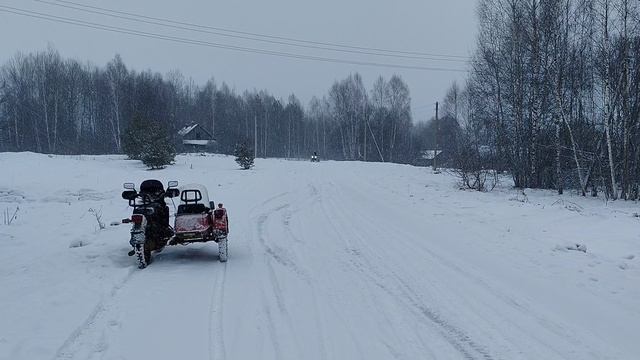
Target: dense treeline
{"points": [[553, 96], [54, 105]]}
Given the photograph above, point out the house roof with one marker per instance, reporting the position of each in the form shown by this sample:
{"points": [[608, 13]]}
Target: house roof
{"points": [[429, 154], [187, 129]]}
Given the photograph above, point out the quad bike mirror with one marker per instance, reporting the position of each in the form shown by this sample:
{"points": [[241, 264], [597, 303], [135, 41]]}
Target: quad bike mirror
{"points": [[129, 186], [173, 184], [129, 194], [172, 192]]}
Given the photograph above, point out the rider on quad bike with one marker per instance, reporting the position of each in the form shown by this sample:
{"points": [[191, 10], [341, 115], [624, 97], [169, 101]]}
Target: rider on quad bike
{"points": [[155, 190]]}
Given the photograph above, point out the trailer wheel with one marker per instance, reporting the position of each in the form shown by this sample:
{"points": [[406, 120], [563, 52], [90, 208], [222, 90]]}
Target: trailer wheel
{"points": [[223, 249]]}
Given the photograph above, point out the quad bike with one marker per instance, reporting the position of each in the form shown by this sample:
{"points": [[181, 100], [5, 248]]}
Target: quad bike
{"points": [[314, 157], [150, 230], [198, 220]]}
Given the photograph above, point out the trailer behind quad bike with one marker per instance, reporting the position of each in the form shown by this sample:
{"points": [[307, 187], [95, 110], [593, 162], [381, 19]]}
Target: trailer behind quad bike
{"points": [[198, 220]]}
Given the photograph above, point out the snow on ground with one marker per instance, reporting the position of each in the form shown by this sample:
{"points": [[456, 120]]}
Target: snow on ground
{"points": [[336, 260]]}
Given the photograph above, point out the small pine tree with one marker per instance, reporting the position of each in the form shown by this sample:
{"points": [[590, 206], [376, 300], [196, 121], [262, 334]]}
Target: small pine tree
{"points": [[148, 142], [244, 156], [159, 151]]}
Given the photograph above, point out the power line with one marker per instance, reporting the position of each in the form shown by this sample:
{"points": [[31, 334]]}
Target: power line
{"points": [[335, 45], [115, 29], [197, 28]]}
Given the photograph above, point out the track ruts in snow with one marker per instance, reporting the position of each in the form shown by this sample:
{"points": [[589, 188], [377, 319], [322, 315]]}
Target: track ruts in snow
{"points": [[75, 341], [504, 298], [268, 208], [216, 318], [456, 337]]}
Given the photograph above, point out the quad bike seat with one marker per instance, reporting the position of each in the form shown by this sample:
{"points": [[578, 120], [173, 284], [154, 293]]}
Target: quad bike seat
{"points": [[192, 208]]}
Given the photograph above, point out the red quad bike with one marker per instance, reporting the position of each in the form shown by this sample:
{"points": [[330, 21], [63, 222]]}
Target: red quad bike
{"points": [[198, 220]]}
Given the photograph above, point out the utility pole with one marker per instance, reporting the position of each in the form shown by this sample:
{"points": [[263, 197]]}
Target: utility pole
{"points": [[255, 136], [289, 137], [265, 132], [213, 114], [435, 151], [364, 123]]}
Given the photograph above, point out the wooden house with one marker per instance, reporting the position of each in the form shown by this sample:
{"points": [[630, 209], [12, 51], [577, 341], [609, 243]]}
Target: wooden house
{"points": [[195, 138]]}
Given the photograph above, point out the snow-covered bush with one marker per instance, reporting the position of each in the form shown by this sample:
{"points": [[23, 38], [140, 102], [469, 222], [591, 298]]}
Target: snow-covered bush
{"points": [[473, 163], [98, 215]]}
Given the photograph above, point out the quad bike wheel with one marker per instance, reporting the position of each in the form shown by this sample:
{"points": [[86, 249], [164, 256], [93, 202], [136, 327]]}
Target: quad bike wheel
{"points": [[143, 254]]}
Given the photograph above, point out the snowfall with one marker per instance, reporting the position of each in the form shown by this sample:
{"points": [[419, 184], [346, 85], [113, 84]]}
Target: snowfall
{"points": [[329, 260]]}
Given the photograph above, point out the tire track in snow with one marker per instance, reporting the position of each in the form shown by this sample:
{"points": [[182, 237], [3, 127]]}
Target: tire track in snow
{"points": [[257, 321], [352, 250], [217, 349], [73, 344], [459, 339], [313, 198], [271, 325], [357, 268], [276, 289], [520, 306], [456, 337], [279, 254], [287, 258]]}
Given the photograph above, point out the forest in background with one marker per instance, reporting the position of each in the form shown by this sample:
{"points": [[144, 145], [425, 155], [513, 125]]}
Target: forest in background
{"points": [[54, 105], [551, 98]]}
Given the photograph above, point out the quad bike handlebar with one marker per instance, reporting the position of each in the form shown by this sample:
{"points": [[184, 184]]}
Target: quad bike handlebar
{"points": [[131, 194]]}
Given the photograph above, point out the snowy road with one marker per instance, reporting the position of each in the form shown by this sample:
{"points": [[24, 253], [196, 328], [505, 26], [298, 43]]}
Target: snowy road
{"points": [[327, 261]]}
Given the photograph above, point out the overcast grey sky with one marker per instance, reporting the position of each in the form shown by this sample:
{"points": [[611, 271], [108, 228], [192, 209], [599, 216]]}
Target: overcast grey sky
{"points": [[427, 26]]}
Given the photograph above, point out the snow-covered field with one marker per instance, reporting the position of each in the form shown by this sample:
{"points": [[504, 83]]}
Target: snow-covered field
{"points": [[336, 260]]}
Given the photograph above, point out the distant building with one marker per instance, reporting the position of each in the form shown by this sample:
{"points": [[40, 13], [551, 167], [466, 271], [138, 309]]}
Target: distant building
{"points": [[195, 138], [425, 157]]}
